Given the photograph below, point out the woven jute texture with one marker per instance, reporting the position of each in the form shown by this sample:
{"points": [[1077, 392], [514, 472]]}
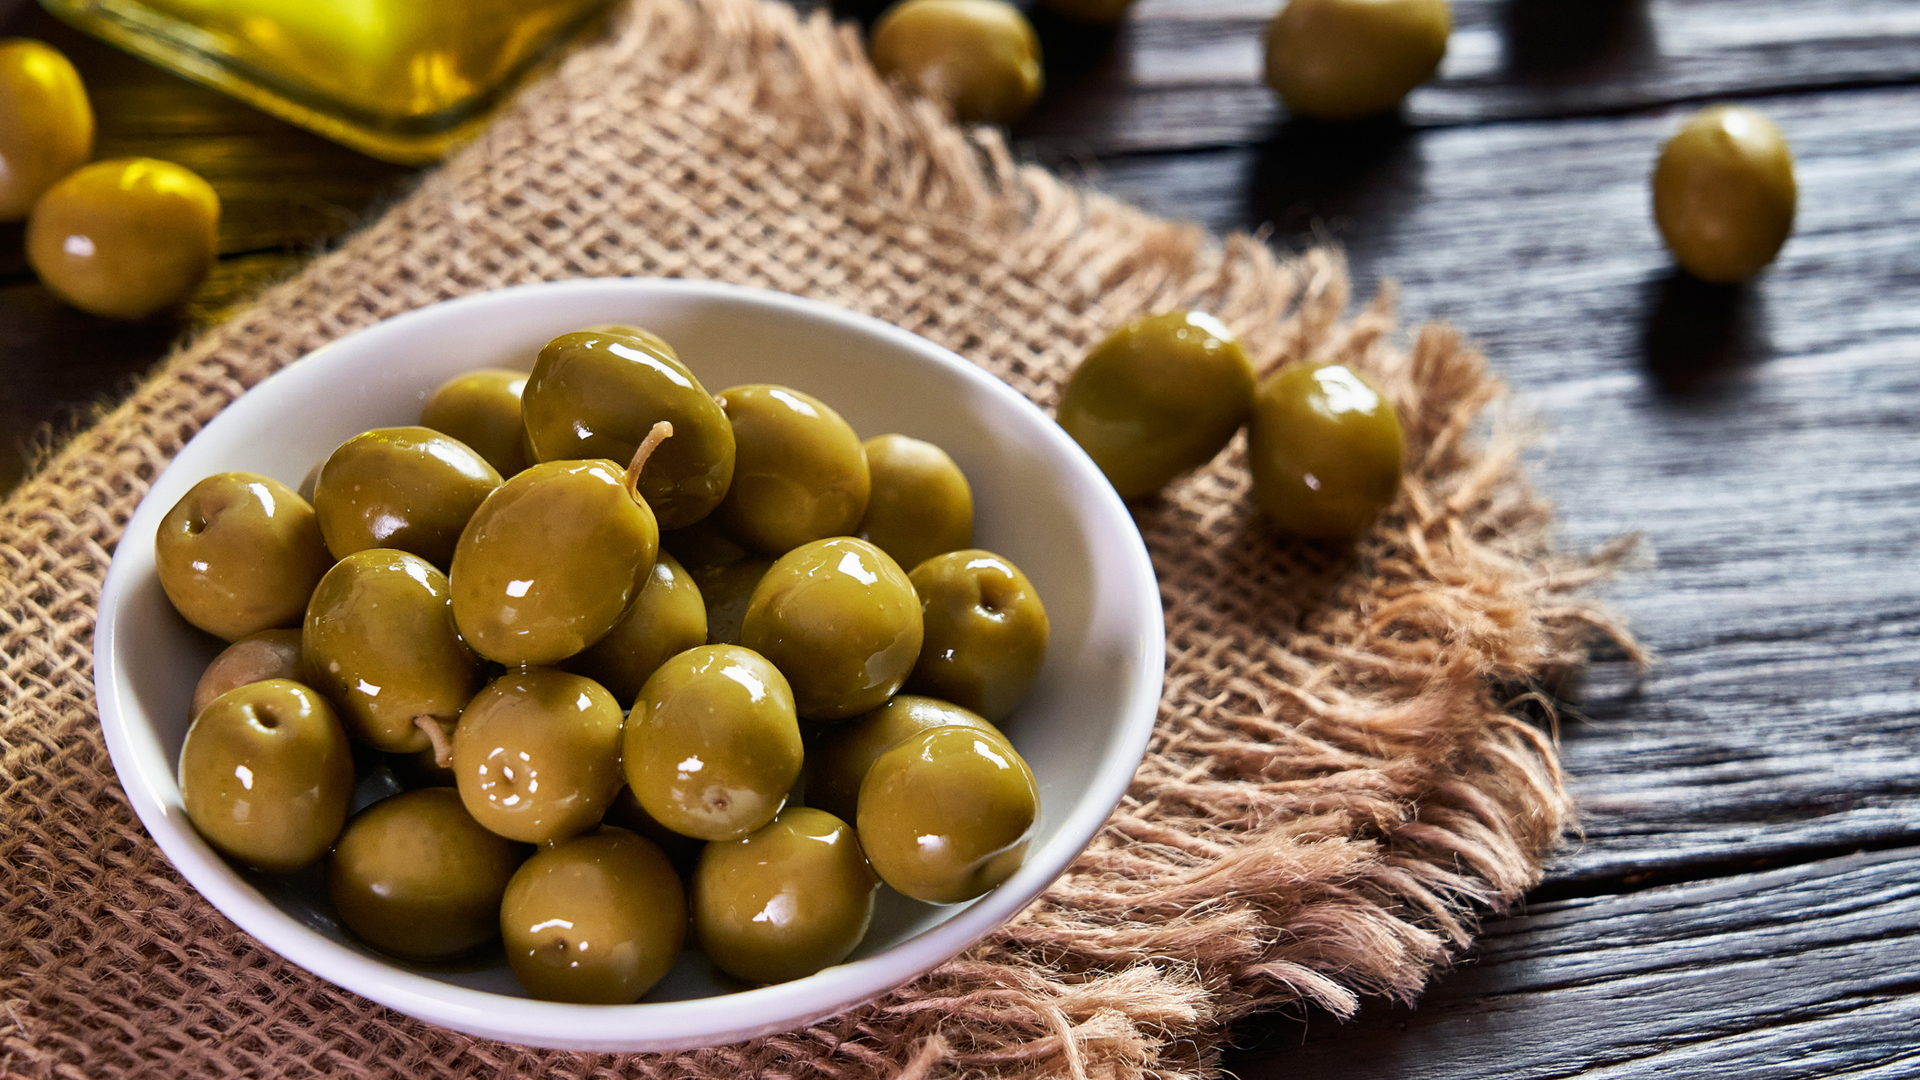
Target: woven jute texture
{"points": [[1341, 780]]}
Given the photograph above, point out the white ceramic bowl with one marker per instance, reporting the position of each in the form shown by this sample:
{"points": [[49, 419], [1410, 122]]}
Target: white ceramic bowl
{"points": [[1039, 501]]}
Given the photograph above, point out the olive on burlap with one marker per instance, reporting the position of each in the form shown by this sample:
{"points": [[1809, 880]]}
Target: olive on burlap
{"points": [[898, 216]]}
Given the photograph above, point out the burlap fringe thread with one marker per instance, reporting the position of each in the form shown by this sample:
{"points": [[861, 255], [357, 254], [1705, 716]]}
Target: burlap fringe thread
{"points": [[1339, 779]]}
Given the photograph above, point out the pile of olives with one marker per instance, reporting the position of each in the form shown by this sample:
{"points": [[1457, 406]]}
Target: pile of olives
{"points": [[640, 661], [1164, 394], [126, 238]]}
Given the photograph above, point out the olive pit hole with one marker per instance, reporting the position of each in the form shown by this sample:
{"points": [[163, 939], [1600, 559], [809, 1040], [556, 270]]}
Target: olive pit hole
{"points": [[263, 717]]}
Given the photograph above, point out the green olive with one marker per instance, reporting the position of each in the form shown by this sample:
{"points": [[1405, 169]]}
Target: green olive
{"points": [[986, 632], [482, 409], [240, 553], [1724, 193], [800, 474], [126, 238], [840, 619], [414, 875], [1325, 449], [1345, 59], [838, 762], [597, 920], [537, 755], [410, 488], [49, 128], [712, 745], [668, 617], [379, 642], [793, 897], [266, 774], [596, 394], [1162, 395], [269, 654], [921, 504], [978, 58], [948, 814], [551, 561]]}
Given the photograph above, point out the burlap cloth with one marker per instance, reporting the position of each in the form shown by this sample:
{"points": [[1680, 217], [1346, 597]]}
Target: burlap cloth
{"points": [[1340, 782]]}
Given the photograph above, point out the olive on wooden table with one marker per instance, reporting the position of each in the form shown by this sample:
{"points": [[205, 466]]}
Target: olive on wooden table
{"points": [[414, 875], [1325, 450], [668, 617], [597, 393], [799, 473], [986, 632], [1724, 193], [920, 505], [979, 58], [1158, 397], [240, 553], [948, 814], [840, 619], [411, 488], [712, 746], [269, 654], [537, 755], [380, 643], [839, 758], [126, 238], [550, 562], [791, 898], [482, 409], [49, 127], [266, 774], [596, 920], [1345, 59]]}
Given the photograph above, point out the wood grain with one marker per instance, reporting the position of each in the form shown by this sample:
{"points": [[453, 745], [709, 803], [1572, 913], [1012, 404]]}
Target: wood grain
{"points": [[1797, 973], [1761, 440], [1182, 75]]}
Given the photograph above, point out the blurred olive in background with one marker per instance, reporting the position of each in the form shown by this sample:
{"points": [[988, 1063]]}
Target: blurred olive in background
{"points": [[980, 58], [1724, 193], [48, 127], [1346, 59], [126, 238]]}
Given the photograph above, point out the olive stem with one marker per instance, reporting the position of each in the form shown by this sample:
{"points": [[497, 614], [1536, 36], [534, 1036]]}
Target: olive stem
{"points": [[661, 432], [436, 730]]}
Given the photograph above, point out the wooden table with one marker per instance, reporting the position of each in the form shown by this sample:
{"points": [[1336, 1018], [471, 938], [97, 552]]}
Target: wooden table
{"points": [[1745, 899]]}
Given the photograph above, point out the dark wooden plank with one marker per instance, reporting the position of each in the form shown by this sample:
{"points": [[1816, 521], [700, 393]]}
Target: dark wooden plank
{"points": [[1763, 440], [1181, 74], [1797, 973]]}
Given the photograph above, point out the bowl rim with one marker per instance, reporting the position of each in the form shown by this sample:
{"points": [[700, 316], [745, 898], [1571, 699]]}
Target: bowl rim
{"points": [[151, 789]]}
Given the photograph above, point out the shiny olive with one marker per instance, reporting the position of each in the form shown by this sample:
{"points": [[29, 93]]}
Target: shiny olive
{"points": [[1724, 193], [596, 394], [1325, 449], [838, 760], [550, 562], [647, 337], [986, 632], [712, 745], [537, 755], [799, 474], [240, 553], [49, 128], [840, 619], [410, 488], [793, 897], [667, 617], [1345, 59], [126, 238], [269, 654], [379, 642], [1160, 396], [979, 58], [414, 875], [948, 814], [482, 409], [266, 774], [921, 504], [598, 919]]}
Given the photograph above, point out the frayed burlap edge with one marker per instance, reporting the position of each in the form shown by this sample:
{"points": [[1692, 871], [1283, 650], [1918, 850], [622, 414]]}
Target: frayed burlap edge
{"points": [[1341, 779]]}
